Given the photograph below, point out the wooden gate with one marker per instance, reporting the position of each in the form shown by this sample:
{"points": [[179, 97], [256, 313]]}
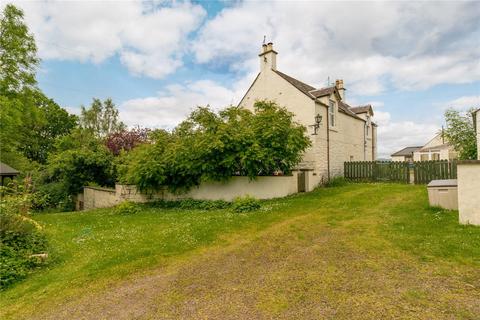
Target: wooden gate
{"points": [[301, 181]]}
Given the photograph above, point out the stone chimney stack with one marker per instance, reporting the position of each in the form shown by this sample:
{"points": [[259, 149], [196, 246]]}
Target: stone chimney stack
{"points": [[341, 89], [268, 57]]}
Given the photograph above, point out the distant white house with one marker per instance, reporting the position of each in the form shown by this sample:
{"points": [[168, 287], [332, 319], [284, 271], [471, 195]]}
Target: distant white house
{"points": [[436, 149]]}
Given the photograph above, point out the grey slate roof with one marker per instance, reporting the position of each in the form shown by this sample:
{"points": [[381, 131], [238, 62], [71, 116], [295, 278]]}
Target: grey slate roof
{"points": [[362, 109], [305, 88], [408, 151], [322, 92], [6, 170], [314, 93], [345, 108]]}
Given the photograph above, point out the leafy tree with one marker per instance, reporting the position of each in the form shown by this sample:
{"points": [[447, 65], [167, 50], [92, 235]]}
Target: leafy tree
{"points": [[18, 53], [460, 132], [81, 159], [38, 137], [126, 140], [18, 63], [101, 118]]}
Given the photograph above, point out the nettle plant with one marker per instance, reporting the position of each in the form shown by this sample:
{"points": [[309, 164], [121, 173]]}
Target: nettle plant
{"points": [[216, 146]]}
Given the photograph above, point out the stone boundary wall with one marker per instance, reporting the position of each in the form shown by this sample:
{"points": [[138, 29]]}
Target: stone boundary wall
{"points": [[261, 188], [94, 197]]}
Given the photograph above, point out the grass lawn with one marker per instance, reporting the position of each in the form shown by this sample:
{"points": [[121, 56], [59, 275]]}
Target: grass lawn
{"points": [[363, 251]]}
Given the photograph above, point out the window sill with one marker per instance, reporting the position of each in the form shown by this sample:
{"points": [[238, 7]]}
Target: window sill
{"points": [[333, 129]]}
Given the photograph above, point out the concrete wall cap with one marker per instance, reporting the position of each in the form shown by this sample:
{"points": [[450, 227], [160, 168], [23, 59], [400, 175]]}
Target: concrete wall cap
{"points": [[443, 183], [468, 162]]}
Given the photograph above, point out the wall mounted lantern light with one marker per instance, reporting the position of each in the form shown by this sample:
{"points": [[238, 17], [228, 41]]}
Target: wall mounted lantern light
{"points": [[316, 126]]}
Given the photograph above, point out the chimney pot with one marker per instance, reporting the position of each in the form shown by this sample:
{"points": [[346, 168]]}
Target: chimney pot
{"points": [[340, 88], [268, 58], [339, 83]]}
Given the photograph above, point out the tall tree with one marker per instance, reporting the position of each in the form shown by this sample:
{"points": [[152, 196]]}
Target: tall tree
{"points": [[460, 132], [101, 118], [30, 121], [18, 63], [38, 137], [18, 53]]}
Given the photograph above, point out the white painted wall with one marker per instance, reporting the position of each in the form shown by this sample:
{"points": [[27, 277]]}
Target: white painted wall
{"points": [[468, 176], [261, 188], [99, 198]]}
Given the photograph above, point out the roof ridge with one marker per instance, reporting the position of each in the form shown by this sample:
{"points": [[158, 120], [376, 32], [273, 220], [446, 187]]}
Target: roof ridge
{"points": [[323, 88]]}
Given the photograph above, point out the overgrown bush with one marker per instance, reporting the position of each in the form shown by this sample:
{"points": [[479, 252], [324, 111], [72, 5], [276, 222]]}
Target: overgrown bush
{"points": [[127, 208], [245, 204], [192, 204], [20, 236], [52, 195], [211, 146]]}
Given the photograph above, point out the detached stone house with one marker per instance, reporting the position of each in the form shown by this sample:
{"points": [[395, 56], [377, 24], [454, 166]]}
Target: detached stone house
{"points": [[338, 131]]}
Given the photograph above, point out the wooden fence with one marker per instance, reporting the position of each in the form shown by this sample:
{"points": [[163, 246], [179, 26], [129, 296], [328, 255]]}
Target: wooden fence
{"points": [[426, 171], [418, 172], [377, 171]]}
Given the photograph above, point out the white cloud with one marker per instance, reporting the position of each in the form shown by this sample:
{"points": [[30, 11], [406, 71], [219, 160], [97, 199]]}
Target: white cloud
{"points": [[150, 38], [376, 104], [462, 103], [410, 45], [393, 136], [172, 105]]}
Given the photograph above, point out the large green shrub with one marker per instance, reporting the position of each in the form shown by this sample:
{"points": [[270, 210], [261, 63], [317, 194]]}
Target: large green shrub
{"points": [[216, 146], [245, 204], [126, 208]]}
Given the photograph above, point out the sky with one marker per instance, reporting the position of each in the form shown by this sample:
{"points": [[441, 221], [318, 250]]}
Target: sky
{"points": [[159, 59]]}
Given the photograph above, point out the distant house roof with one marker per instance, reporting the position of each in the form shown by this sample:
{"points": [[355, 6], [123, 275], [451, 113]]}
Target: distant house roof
{"points": [[408, 151], [439, 147], [314, 93], [6, 170]]}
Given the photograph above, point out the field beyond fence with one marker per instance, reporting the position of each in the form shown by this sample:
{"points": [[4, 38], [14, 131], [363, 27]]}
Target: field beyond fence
{"points": [[418, 172]]}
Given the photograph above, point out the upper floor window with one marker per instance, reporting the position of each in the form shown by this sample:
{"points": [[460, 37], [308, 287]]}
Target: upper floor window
{"points": [[331, 113]]}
